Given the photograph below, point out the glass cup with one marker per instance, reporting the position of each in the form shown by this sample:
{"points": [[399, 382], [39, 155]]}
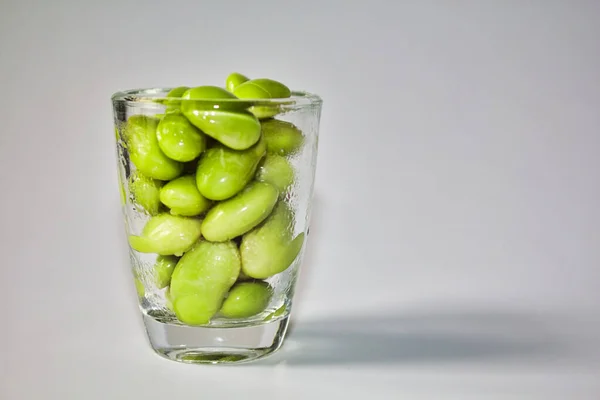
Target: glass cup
{"points": [[216, 197]]}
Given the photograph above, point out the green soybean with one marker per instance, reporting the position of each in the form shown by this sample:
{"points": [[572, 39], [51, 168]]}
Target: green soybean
{"points": [[175, 92], [283, 138], [167, 234], [246, 299], [201, 280], [277, 171], [145, 192], [269, 249], [238, 215], [178, 91], [234, 80], [163, 269], [179, 139], [144, 151], [236, 130], [262, 89], [220, 115], [223, 172], [181, 195], [206, 97]]}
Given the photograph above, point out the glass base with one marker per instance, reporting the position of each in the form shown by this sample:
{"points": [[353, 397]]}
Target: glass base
{"points": [[213, 345]]}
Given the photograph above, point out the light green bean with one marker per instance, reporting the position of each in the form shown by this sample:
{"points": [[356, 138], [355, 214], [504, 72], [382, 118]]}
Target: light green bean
{"points": [[181, 195], [201, 280], [241, 213], [223, 172], [246, 299], [269, 248], [167, 234], [144, 151]]}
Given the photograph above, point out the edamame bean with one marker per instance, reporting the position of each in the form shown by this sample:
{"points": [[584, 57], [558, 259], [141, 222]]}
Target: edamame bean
{"points": [[269, 249], [277, 171], [163, 269], [206, 96], [145, 192], [175, 92], [179, 139], [221, 117], [234, 80], [201, 280], [223, 172], [241, 213], [262, 89], [181, 195], [246, 299], [145, 152], [283, 138], [167, 234]]}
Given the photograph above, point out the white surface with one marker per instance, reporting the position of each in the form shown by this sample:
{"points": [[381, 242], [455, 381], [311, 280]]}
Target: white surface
{"points": [[455, 246]]}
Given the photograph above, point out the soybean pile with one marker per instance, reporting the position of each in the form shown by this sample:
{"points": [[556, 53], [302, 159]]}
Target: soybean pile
{"points": [[212, 173]]}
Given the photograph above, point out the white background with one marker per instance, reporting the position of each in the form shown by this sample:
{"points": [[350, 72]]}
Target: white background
{"points": [[455, 245]]}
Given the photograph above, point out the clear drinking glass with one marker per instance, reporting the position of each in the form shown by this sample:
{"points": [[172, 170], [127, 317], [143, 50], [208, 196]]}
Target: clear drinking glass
{"points": [[215, 298]]}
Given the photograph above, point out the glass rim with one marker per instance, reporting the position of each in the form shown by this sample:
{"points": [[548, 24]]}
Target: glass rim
{"points": [[158, 95]]}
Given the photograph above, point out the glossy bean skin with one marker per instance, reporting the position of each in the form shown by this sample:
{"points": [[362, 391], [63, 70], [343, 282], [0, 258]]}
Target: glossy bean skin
{"points": [[223, 172], [166, 234], [177, 92], [221, 118], [182, 197], [262, 89], [163, 269], [144, 151], [145, 192], [179, 139], [201, 280], [270, 249], [234, 80], [283, 138], [238, 215], [277, 171], [210, 98], [246, 299], [236, 130]]}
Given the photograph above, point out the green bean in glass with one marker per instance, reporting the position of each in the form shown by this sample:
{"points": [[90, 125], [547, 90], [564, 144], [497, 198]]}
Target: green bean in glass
{"points": [[217, 184]]}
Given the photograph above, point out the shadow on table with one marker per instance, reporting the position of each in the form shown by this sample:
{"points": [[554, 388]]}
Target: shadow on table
{"points": [[422, 338]]}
